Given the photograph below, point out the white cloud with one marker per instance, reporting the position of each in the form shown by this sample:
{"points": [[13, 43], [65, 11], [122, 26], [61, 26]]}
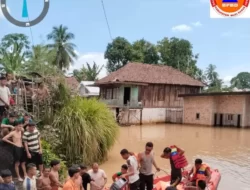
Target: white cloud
{"points": [[197, 24], [181, 28], [227, 79], [90, 57]]}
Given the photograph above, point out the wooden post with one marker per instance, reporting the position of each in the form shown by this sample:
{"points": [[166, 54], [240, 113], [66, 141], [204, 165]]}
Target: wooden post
{"points": [[141, 117]]}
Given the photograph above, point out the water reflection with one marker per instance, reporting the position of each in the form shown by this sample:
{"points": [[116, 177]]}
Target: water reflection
{"points": [[223, 148]]}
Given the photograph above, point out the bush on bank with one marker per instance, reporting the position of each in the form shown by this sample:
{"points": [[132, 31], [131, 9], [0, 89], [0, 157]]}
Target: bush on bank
{"points": [[87, 130], [48, 156]]}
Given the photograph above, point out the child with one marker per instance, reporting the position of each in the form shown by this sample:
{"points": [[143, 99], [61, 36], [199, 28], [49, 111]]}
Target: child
{"points": [[7, 180], [124, 170], [16, 137]]}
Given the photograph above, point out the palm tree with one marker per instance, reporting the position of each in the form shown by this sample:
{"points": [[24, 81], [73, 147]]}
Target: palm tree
{"points": [[40, 60], [65, 53], [14, 50], [93, 72]]}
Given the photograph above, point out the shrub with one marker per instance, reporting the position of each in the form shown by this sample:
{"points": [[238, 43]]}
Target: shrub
{"points": [[48, 156], [87, 130]]}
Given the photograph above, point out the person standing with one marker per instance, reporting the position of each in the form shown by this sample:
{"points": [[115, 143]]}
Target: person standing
{"points": [[32, 145], [98, 177], [71, 184], [4, 96], [54, 175], [29, 182], [146, 161], [44, 182], [133, 173], [16, 137], [169, 153], [85, 176]]}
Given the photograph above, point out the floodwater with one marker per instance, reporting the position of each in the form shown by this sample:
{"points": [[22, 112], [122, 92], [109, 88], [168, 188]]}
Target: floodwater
{"points": [[227, 149]]}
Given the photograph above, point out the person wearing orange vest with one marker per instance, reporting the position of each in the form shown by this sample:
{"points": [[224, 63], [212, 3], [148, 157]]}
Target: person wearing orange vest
{"points": [[176, 172], [200, 171]]}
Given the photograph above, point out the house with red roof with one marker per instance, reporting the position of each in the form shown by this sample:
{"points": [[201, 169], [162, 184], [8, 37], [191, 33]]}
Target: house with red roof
{"points": [[147, 93]]}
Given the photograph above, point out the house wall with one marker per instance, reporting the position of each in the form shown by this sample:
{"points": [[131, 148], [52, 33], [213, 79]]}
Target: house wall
{"points": [[204, 106], [207, 106], [164, 96], [149, 115]]}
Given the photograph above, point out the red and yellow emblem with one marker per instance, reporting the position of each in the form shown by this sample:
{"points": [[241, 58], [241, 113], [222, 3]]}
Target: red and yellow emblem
{"points": [[229, 8]]}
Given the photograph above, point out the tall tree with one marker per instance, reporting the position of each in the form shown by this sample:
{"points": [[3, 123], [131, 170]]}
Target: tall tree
{"points": [[178, 53], [93, 72], [40, 60], [145, 52], [119, 53], [241, 81], [79, 74], [214, 83], [65, 55], [14, 50]]}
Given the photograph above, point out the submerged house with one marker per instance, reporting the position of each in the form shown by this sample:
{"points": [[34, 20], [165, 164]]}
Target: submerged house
{"points": [[217, 109], [86, 89], [146, 93]]}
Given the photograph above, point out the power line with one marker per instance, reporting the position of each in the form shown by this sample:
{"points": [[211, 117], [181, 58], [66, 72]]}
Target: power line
{"points": [[31, 33], [103, 7]]}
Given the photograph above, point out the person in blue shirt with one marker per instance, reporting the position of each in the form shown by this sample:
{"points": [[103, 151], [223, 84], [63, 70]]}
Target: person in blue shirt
{"points": [[7, 180]]}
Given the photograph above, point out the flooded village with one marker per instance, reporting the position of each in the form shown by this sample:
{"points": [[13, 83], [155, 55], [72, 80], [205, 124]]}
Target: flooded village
{"points": [[103, 99]]}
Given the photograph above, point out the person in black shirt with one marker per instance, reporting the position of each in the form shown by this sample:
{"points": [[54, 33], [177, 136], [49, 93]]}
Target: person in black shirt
{"points": [[85, 176], [176, 173]]}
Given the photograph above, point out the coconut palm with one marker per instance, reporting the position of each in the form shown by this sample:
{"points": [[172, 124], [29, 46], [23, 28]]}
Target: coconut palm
{"points": [[14, 50], [65, 54], [93, 72]]}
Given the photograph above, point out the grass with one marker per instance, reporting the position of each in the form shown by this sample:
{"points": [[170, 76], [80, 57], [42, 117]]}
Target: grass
{"points": [[88, 130]]}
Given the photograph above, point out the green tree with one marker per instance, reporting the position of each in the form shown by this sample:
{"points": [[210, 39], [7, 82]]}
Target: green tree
{"points": [[145, 52], [118, 53], [178, 53], [40, 60], [214, 83], [65, 54], [241, 81], [14, 50], [92, 73], [79, 74]]}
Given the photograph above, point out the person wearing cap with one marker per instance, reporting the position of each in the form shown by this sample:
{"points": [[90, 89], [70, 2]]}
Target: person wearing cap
{"points": [[16, 137], [7, 124], [32, 145], [4, 96], [7, 184]]}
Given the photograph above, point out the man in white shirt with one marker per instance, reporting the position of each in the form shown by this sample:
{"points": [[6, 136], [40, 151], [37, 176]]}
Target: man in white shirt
{"points": [[98, 177], [29, 182], [4, 95], [133, 173]]}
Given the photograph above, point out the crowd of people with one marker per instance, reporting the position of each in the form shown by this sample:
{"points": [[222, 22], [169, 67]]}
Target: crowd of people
{"points": [[23, 135], [138, 171]]}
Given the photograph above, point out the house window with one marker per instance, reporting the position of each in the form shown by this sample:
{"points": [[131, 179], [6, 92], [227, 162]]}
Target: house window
{"points": [[109, 94], [161, 94], [230, 117], [103, 93], [197, 116], [177, 92], [115, 93]]}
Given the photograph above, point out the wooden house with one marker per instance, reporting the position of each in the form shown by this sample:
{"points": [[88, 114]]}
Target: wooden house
{"points": [[146, 93]]}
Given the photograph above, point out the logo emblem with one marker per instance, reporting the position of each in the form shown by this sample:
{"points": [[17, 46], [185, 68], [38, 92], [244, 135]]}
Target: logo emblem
{"points": [[24, 14], [229, 8]]}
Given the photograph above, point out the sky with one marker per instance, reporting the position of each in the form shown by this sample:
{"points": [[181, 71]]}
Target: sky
{"points": [[222, 42]]}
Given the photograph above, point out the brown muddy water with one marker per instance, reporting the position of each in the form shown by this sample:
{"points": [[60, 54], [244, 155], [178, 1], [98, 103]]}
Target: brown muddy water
{"points": [[227, 149]]}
